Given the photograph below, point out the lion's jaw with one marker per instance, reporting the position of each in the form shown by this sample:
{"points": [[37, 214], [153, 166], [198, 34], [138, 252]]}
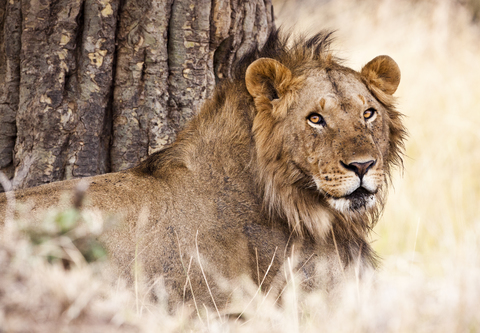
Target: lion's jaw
{"points": [[352, 194], [360, 200]]}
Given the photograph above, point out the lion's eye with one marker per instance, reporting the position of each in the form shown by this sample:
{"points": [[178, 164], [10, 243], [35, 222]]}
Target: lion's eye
{"points": [[369, 113], [316, 119]]}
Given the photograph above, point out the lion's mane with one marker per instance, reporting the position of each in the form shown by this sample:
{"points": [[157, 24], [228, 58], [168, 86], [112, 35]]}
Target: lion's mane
{"points": [[288, 194]]}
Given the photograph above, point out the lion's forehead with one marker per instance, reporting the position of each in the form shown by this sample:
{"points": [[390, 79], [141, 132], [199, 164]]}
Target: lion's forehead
{"points": [[336, 88]]}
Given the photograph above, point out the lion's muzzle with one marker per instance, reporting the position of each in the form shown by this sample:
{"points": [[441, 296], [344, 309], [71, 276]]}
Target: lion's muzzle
{"points": [[355, 188]]}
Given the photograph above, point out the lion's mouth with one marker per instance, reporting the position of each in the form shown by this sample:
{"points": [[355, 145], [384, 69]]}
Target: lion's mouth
{"points": [[359, 199], [359, 193]]}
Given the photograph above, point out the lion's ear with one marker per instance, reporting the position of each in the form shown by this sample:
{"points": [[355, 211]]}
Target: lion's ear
{"points": [[268, 78], [383, 72]]}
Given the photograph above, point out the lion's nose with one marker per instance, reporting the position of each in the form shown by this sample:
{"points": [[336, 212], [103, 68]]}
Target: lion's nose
{"points": [[360, 168]]}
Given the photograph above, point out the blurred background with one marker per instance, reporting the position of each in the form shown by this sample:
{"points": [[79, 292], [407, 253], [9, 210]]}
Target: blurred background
{"points": [[433, 205]]}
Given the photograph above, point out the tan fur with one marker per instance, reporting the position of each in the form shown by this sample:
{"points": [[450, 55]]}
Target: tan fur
{"points": [[382, 72], [250, 182], [322, 103]]}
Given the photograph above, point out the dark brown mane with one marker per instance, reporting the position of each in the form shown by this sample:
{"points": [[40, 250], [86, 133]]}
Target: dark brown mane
{"points": [[295, 52]]}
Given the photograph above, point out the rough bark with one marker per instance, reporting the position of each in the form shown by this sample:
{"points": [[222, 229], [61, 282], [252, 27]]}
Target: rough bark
{"points": [[93, 86], [10, 25]]}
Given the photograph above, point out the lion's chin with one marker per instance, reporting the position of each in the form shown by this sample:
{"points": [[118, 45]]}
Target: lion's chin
{"points": [[359, 201]]}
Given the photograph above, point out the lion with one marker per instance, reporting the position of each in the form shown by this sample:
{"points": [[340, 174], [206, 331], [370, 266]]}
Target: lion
{"points": [[288, 162]]}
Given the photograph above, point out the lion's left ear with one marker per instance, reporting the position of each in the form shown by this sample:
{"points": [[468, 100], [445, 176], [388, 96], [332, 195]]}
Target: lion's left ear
{"points": [[267, 78], [383, 72]]}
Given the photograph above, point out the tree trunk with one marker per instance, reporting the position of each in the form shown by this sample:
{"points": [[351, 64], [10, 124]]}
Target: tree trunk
{"points": [[93, 86]]}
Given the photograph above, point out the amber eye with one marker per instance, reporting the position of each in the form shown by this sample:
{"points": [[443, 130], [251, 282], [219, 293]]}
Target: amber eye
{"points": [[369, 113], [316, 119]]}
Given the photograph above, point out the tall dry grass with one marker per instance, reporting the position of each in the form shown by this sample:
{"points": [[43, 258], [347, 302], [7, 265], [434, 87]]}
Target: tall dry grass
{"points": [[428, 237]]}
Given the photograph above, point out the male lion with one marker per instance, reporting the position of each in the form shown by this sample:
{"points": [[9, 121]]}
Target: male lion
{"points": [[285, 165]]}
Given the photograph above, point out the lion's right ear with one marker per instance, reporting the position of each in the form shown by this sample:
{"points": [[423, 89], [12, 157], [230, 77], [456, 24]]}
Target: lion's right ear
{"points": [[267, 80]]}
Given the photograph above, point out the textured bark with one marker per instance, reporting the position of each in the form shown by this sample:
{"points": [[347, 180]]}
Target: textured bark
{"points": [[93, 86], [66, 76], [10, 26]]}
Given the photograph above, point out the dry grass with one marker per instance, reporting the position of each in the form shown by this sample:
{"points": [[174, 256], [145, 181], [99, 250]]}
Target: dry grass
{"points": [[429, 235]]}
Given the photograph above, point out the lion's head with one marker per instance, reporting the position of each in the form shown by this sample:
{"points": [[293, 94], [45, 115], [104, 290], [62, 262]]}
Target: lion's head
{"points": [[326, 135]]}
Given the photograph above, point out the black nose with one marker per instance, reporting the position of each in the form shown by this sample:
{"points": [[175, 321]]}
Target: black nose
{"points": [[360, 168]]}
